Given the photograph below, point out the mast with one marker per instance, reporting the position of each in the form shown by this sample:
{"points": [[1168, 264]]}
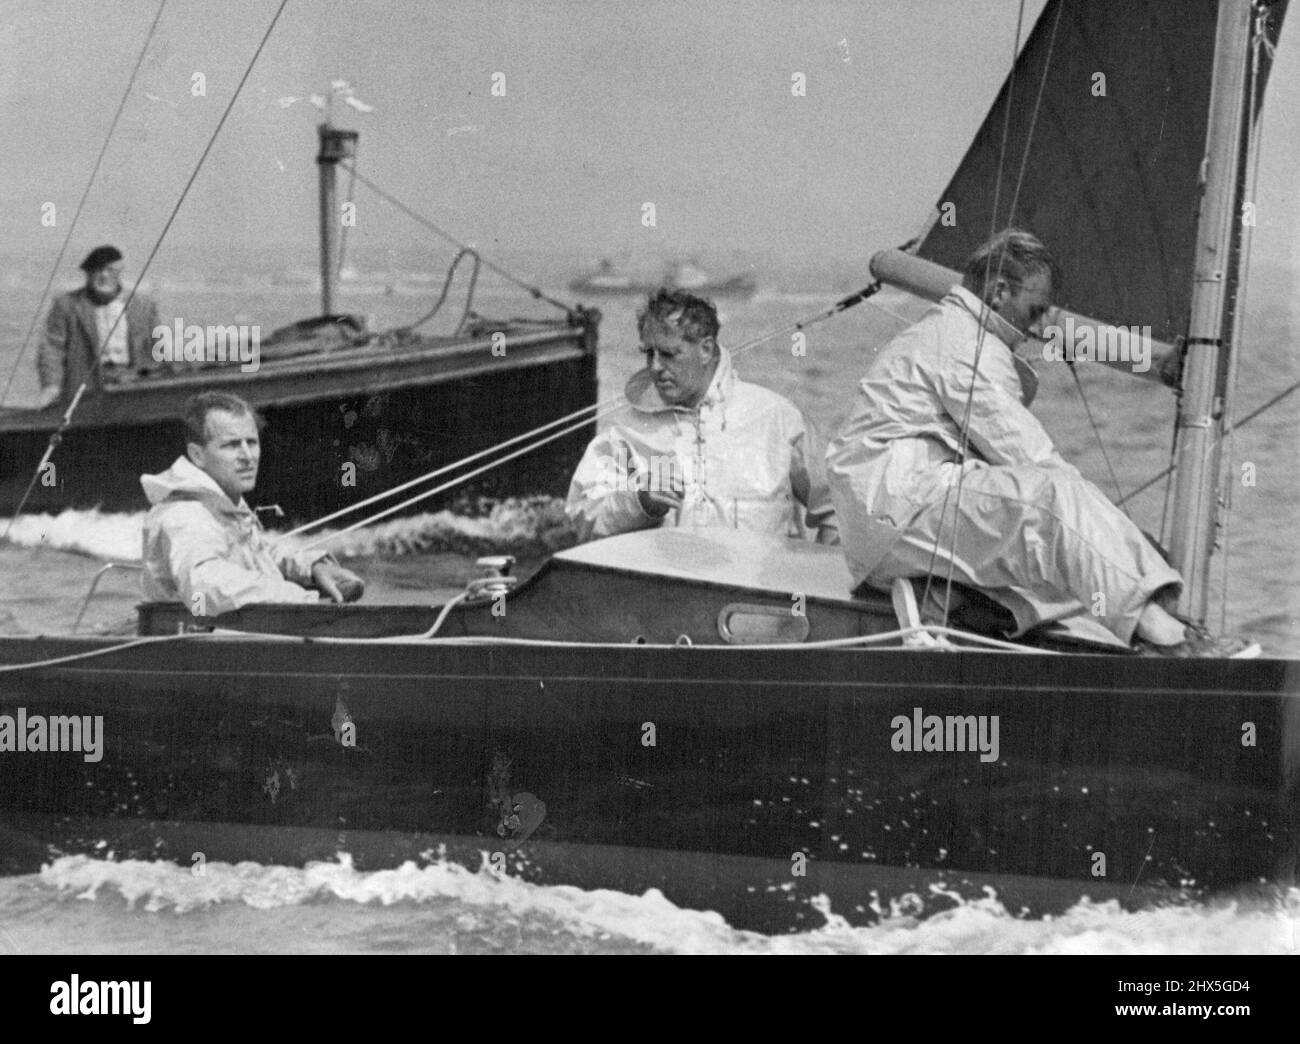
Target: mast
{"points": [[1201, 408], [335, 145]]}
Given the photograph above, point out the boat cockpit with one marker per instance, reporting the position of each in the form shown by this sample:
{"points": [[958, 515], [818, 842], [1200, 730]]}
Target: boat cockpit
{"points": [[666, 587]]}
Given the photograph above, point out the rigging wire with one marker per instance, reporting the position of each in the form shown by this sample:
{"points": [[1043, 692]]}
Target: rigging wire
{"points": [[1167, 500], [1083, 398], [979, 342], [1038, 102], [57, 437], [451, 484], [1263, 407], [596, 410], [67, 238], [534, 291]]}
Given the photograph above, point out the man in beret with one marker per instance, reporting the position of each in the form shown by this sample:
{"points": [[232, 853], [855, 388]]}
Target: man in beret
{"points": [[94, 327]]}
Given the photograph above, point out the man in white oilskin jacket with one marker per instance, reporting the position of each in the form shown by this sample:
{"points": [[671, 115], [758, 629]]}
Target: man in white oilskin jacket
{"points": [[942, 470], [695, 445], [203, 545]]}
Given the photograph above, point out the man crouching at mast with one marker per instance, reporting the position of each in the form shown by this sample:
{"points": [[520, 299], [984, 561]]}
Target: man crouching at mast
{"points": [[1023, 525], [697, 446], [203, 545]]}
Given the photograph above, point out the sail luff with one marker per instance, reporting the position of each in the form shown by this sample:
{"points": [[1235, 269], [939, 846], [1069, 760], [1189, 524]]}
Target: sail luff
{"points": [[1200, 414]]}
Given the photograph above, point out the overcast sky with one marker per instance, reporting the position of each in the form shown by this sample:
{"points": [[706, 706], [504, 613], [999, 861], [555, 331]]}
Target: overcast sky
{"points": [[607, 106]]}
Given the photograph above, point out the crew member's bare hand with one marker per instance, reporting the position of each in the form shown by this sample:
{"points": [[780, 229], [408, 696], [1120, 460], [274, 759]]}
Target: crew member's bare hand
{"points": [[339, 584], [658, 503]]}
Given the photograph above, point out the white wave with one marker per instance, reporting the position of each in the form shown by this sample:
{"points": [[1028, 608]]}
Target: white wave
{"points": [[113, 537], [534, 523], [514, 523], [650, 920]]}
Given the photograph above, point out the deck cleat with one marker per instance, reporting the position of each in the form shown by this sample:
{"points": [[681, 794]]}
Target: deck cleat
{"points": [[496, 580]]}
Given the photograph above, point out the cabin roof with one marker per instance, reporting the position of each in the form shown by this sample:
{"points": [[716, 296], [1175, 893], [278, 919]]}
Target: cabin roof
{"points": [[723, 556]]}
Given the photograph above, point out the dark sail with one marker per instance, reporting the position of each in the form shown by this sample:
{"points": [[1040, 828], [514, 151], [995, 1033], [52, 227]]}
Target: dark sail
{"points": [[1111, 182]]}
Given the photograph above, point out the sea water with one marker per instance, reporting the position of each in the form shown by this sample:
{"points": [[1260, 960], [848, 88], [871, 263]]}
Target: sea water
{"points": [[78, 904]]}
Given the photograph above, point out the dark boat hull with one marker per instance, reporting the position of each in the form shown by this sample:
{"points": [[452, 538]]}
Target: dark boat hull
{"points": [[341, 427], [1113, 777]]}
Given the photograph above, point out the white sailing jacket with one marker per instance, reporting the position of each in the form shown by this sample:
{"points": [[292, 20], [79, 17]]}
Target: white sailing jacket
{"points": [[902, 447], [742, 455], [210, 553]]}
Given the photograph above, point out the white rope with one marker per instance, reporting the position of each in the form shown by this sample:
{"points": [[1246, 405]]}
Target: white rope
{"points": [[92, 653], [426, 638], [436, 473], [932, 630], [325, 538]]}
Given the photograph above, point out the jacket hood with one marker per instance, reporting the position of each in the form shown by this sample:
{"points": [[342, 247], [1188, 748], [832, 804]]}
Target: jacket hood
{"points": [[1004, 332], [186, 481], [982, 313], [642, 394]]}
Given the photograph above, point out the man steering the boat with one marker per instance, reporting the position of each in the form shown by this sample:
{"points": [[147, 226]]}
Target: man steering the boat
{"points": [[203, 545], [694, 445], [94, 326], [943, 471]]}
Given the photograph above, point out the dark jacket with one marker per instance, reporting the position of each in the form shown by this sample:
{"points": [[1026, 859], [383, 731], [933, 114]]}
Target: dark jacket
{"points": [[67, 352]]}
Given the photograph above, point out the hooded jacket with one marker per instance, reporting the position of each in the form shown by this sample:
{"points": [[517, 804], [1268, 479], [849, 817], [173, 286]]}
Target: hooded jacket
{"points": [[210, 553], [903, 446], [1028, 529], [742, 455]]}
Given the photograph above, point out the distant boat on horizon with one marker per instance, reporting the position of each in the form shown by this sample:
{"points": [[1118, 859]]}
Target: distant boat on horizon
{"points": [[689, 275], [683, 275], [606, 280]]}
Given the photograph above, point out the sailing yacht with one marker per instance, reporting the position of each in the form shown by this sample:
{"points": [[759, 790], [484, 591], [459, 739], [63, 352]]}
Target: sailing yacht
{"points": [[717, 714]]}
